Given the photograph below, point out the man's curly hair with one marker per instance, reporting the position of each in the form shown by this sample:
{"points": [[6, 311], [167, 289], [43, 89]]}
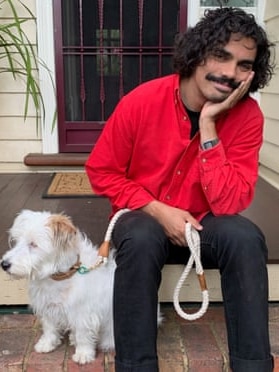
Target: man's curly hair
{"points": [[214, 30]]}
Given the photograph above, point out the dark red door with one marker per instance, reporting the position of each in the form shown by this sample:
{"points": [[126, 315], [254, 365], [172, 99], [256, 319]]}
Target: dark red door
{"points": [[104, 48]]}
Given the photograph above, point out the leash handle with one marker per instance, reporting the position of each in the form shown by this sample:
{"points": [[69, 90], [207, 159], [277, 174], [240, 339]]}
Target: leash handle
{"points": [[193, 241]]}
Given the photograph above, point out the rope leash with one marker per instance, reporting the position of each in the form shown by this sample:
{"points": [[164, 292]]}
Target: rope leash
{"points": [[103, 251], [193, 241]]}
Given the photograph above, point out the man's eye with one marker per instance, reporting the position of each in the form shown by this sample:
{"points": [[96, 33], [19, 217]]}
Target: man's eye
{"points": [[246, 67], [219, 54]]}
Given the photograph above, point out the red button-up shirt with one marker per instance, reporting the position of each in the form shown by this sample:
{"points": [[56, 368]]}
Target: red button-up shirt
{"points": [[145, 153]]}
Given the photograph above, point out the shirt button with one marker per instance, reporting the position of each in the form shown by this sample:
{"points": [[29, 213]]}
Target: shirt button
{"points": [[185, 118], [168, 197], [205, 188], [204, 160], [178, 172]]}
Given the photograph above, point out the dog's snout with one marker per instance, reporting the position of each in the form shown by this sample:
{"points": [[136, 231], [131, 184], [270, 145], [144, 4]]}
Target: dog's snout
{"points": [[5, 265]]}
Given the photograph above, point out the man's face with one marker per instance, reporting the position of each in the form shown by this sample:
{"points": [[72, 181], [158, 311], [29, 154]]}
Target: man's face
{"points": [[225, 68]]}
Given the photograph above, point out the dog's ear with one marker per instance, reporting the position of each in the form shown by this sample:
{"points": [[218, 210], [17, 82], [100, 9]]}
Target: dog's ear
{"points": [[62, 229]]}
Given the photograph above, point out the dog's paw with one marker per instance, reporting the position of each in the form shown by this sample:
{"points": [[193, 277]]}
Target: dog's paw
{"points": [[83, 356], [45, 345]]}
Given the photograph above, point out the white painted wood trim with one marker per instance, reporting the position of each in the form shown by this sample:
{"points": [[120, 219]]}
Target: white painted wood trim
{"points": [[45, 33], [15, 292], [193, 12]]}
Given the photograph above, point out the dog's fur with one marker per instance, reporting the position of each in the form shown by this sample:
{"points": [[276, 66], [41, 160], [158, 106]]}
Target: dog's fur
{"points": [[42, 244]]}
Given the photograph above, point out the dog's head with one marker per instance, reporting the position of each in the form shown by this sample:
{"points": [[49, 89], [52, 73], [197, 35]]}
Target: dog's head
{"points": [[41, 244]]}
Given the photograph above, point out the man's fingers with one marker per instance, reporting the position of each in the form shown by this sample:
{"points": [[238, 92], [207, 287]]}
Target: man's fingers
{"points": [[195, 223]]}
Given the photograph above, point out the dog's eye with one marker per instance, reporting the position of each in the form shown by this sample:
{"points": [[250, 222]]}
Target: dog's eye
{"points": [[12, 242], [33, 245]]}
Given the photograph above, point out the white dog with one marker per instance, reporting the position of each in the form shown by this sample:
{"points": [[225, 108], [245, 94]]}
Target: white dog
{"points": [[49, 250]]}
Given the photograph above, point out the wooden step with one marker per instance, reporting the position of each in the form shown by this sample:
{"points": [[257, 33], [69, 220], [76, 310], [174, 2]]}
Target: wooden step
{"points": [[67, 159]]}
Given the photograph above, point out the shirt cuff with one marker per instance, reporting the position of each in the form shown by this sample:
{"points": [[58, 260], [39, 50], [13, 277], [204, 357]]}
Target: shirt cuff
{"points": [[212, 158]]}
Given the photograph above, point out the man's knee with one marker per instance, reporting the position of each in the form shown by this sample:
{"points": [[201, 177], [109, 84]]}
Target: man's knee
{"points": [[236, 238], [137, 233]]}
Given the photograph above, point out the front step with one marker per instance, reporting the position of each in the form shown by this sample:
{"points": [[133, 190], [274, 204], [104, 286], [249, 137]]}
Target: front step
{"points": [[52, 160], [14, 292]]}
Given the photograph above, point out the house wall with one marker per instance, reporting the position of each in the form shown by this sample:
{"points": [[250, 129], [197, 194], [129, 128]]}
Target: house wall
{"points": [[17, 137], [269, 156]]}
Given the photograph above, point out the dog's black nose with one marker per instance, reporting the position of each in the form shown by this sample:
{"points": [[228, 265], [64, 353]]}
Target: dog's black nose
{"points": [[5, 265]]}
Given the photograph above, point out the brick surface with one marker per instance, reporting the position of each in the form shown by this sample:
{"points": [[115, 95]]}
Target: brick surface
{"points": [[169, 341], [41, 367], [47, 362], [276, 364], [100, 364], [171, 366], [183, 346], [17, 321], [203, 352], [97, 365], [213, 314], [274, 337], [220, 332], [110, 362], [14, 344]]}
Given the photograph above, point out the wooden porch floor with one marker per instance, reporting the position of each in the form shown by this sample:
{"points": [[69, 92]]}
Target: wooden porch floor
{"points": [[24, 191]]}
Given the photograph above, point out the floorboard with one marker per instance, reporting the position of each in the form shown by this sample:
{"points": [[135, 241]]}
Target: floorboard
{"points": [[264, 212]]}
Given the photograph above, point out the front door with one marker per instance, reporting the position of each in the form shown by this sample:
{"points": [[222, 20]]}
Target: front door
{"points": [[104, 48]]}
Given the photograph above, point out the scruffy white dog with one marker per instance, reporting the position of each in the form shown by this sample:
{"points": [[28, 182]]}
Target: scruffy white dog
{"points": [[49, 250]]}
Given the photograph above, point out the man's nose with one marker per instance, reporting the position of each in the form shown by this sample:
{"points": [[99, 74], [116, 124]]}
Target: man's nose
{"points": [[230, 70]]}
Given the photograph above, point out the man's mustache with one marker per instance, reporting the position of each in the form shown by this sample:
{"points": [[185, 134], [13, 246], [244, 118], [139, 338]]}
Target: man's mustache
{"points": [[223, 80]]}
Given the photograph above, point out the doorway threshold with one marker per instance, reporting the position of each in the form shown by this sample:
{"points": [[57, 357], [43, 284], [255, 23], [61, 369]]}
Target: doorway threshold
{"points": [[61, 159]]}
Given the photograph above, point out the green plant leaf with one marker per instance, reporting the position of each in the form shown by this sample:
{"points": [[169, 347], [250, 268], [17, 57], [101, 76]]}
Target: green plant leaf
{"points": [[21, 56]]}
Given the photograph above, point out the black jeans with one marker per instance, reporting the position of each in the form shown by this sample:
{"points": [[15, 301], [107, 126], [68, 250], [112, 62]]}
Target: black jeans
{"points": [[232, 244]]}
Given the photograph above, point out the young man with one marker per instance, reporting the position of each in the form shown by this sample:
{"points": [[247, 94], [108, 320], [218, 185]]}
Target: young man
{"points": [[184, 148]]}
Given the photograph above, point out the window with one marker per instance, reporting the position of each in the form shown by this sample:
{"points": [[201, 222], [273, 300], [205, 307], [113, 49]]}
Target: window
{"points": [[196, 8], [236, 3], [249, 5]]}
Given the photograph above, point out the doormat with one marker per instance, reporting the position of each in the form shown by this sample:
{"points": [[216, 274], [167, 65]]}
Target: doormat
{"points": [[69, 185]]}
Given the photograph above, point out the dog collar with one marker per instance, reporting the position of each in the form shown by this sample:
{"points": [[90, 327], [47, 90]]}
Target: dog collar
{"points": [[68, 274]]}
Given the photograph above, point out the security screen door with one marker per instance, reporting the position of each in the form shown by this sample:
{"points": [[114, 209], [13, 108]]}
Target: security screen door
{"points": [[104, 48]]}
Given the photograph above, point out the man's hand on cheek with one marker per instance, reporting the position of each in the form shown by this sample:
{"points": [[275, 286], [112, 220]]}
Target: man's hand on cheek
{"points": [[211, 110]]}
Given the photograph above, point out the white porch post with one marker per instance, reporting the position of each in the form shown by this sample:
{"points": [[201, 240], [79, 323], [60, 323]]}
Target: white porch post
{"points": [[45, 30]]}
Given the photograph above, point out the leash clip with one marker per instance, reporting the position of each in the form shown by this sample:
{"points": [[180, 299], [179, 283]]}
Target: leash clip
{"points": [[83, 270]]}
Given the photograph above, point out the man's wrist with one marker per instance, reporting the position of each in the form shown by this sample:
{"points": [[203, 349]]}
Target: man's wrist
{"points": [[209, 144], [151, 207]]}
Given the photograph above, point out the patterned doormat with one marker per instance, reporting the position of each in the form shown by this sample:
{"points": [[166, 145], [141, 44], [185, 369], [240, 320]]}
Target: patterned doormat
{"points": [[69, 185]]}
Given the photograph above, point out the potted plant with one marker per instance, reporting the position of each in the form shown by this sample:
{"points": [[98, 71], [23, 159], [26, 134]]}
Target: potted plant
{"points": [[17, 49]]}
